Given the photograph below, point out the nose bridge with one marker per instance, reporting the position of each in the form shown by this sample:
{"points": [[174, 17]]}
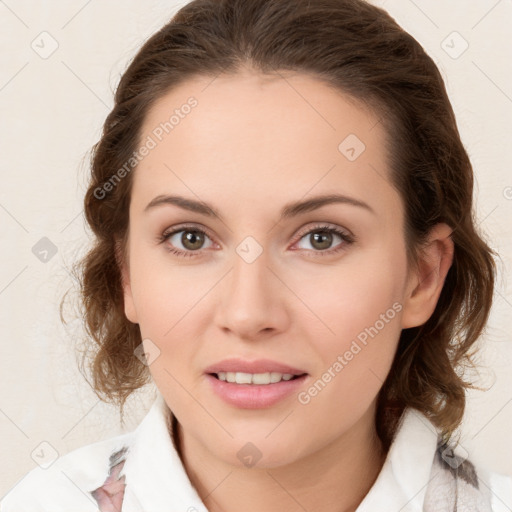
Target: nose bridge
{"points": [[250, 299], [250, 275], [250, 263]]}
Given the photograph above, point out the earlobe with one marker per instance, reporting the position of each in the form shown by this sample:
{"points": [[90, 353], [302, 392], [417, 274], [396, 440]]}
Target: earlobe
{"points": [[129, 306], [424, 286]]}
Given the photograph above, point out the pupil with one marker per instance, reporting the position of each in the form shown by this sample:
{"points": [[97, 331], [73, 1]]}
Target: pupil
{"points": [[323, 238], [326, 236], [192, 237]]}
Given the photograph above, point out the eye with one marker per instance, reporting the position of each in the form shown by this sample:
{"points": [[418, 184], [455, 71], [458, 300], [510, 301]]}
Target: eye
{"points": [[321, 237], [191, 239]]}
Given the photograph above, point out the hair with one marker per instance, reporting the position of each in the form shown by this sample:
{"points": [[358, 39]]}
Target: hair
{"points": [[361, 51]]}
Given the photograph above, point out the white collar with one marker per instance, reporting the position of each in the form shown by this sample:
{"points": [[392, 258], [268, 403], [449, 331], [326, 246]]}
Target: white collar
{"points": [[403, 479], [156, 479]]}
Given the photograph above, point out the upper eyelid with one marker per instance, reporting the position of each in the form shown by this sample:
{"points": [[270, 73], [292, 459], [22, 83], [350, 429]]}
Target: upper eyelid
{"points": [[302, 232], [191, 227]]}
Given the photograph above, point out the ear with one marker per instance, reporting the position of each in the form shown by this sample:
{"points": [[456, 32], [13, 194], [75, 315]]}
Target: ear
{"points": [[123, 264], [425, 284]]}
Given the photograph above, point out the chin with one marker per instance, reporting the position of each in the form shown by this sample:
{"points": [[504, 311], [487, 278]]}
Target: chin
{"points": [[259, 453]]}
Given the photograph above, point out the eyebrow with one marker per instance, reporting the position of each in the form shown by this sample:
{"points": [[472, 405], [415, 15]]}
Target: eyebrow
{"points": [[290, 210]]}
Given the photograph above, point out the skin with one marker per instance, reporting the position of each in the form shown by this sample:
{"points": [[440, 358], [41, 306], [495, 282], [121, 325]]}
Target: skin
{"points": [[250, 146]]}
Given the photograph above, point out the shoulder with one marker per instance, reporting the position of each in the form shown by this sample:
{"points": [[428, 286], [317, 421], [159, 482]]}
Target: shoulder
{"points": [[500, 486], [474, 484], [69, 482], [455, 481]]}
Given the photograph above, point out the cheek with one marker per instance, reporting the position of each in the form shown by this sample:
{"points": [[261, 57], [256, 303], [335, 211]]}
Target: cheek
{"points": [[174, 311], [165, 291], [346, 300], [360, 307]]}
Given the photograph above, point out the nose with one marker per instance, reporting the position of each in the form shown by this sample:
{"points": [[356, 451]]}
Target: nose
{"points": [[253, 300]]}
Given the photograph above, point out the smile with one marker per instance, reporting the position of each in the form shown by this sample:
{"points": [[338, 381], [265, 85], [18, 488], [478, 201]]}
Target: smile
{"points": [[255, 390], [254, 378]]}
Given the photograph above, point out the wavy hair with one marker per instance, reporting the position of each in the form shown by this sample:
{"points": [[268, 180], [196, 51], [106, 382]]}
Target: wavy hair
{"points": [[360, 50]]}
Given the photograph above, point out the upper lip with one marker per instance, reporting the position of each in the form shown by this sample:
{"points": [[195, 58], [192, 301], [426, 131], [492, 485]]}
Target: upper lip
{"points": [[256, 366]]}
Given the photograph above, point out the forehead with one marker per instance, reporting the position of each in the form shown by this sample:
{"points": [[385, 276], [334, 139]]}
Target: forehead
{"points": [[245, 136]]}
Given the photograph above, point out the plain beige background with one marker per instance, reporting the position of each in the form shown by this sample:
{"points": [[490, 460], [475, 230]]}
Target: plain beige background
{"points": [[60, 63]]}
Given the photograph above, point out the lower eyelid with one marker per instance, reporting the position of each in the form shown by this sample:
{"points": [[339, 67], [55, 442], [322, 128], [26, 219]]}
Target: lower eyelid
{"points": [[347, 239], [166, 237]]}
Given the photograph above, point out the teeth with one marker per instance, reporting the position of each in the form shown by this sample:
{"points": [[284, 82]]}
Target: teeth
{"points": [[253, 378]]}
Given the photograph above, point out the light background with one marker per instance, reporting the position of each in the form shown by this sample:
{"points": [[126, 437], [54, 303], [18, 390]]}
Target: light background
{"points": [[51, 112]]}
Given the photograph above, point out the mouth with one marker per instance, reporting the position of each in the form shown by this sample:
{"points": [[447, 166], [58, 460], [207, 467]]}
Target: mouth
{"points": [[255, 390], [259, 379], [238, 370]]}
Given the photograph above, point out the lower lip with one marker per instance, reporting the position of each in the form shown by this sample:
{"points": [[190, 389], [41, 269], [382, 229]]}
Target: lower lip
{"points": [[255, 396]]}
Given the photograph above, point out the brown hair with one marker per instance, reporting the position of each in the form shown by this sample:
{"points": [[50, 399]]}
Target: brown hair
{"points": [[361, 51]]}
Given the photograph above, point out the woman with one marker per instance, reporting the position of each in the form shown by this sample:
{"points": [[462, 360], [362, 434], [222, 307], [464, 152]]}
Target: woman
{"points": [[285, 244]]}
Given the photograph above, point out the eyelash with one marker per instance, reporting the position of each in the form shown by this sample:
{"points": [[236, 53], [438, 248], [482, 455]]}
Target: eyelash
{"points": [[348, 239]]}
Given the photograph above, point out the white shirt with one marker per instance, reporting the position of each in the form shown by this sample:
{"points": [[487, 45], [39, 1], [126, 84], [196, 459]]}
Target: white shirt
{"points": [[156, 479]]}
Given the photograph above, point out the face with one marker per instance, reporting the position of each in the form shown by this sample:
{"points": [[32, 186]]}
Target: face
{"points": [[319, 288]]}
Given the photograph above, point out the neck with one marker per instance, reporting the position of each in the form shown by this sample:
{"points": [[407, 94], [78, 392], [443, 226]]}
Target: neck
{"points": [[335, 478]]}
